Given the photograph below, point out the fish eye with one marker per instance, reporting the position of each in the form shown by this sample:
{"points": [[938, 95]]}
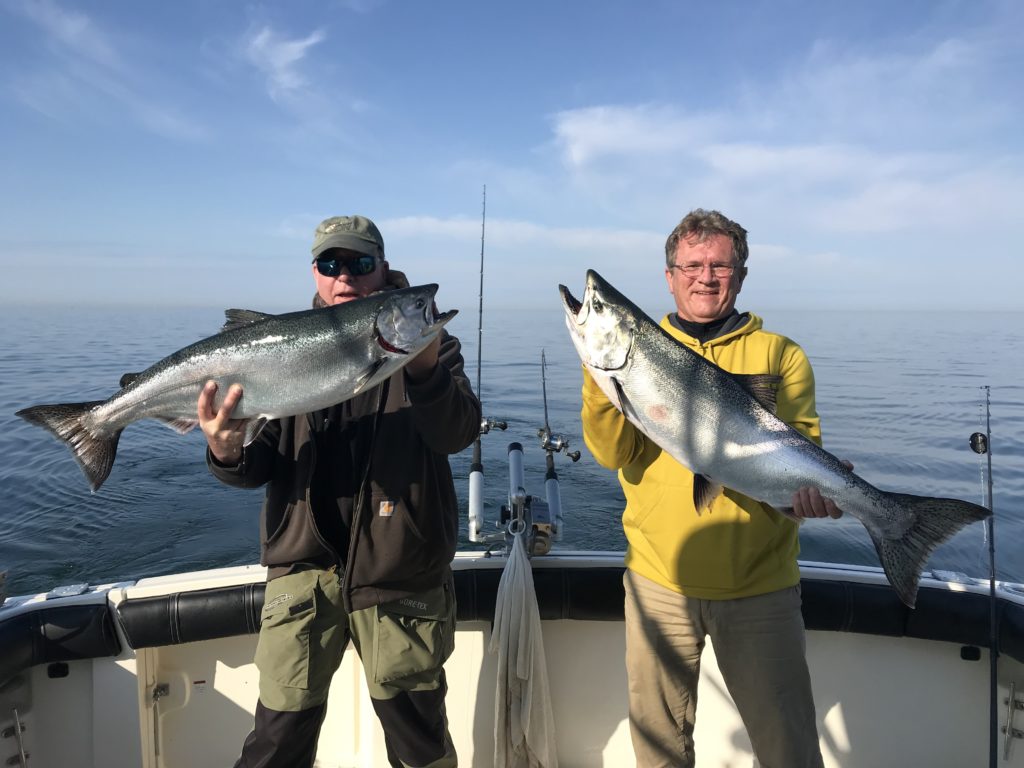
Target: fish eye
{"points": [[598, 305], [420, 303]]}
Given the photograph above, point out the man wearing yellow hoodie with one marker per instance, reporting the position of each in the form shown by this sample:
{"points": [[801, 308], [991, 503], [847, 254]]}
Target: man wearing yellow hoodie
{"points": [[730, 574]]}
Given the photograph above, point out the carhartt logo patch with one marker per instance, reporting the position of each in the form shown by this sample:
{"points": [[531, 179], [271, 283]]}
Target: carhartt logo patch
{"points": [[387, 508], [277, 601]]}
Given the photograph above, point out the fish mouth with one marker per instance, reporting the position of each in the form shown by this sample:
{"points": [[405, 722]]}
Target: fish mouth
{"points": [[597, 347], [435, 322], [572, 304], [439, 320]]}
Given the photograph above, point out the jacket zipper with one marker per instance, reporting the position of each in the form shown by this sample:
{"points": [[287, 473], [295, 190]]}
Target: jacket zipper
{"points": [[309, 501], [358, 505]]}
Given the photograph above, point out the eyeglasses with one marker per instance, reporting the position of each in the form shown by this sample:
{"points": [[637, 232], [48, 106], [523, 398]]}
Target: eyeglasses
{"points": [[358, 266], [693, 269]]}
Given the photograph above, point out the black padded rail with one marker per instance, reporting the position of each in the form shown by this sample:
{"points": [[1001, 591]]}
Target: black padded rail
{"points": [[65, 633], [596, 594], [562, 593], [940, 614], [583, 594], [57, 633], [186, 617]]}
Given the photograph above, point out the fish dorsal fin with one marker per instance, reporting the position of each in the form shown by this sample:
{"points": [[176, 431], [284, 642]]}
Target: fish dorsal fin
{"points": [[253, 429], [239, 318], [367, 374], [181, 426], [705, 491], [127, 379], [761, 387]]}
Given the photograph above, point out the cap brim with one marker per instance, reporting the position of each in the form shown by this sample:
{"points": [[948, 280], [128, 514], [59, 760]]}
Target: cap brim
{"points": [[347, 241]]}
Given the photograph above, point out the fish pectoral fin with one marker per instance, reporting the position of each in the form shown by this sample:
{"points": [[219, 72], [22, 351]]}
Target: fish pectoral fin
{"points": [[624, 405], [705, 491], [366, 376], [760, 386], [239, 318], [181, 426], [253, 429], [787, 512]]}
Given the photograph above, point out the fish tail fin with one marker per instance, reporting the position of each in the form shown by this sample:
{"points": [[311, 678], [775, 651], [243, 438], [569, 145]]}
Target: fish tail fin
{"points": [[94, 452], [928, 522]]}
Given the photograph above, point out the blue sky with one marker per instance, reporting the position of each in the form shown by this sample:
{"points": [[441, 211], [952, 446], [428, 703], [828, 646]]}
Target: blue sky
{"points": [[182, 153]]}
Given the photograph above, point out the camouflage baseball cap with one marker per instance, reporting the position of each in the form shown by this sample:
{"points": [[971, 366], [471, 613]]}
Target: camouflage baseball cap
{"points": [[355, 233]]}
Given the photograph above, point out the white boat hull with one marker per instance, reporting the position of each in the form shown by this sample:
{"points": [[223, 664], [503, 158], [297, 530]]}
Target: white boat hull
{"points": [[893, 699]]}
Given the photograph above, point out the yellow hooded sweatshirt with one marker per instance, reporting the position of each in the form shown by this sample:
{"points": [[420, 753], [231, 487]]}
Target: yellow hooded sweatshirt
{"points": [[738, 548]]}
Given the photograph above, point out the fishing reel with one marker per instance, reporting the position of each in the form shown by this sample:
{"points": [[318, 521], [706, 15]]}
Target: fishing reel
{"points": [[487, 424], [538, 519], [476, 487], [553, 443]]}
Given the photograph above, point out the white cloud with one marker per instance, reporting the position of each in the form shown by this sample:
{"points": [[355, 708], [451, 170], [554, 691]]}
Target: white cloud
{"points": [[587, 135], [509, 234], [985, 199], [312, 100], [86, 63], [278, 58], [72, 29], [770, 254], [848, 141], [52, 94], [298, 226], [361, 6], [902, 98], [817, 163]]}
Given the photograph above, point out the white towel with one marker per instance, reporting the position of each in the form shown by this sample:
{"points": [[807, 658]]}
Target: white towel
{"points": [[524, 724]]}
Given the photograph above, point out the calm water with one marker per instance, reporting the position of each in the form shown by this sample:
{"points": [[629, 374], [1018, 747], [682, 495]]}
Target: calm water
{"points": [[899, 395]]}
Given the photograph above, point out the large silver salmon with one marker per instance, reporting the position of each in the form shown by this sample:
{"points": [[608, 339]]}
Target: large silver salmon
{"points": [[723, 428], [287, 364]]}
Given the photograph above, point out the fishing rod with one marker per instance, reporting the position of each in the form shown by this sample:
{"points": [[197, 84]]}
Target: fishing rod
{"points": [[552, 444], [539, 520], [981, 444], [480, 305], [476, 469]]}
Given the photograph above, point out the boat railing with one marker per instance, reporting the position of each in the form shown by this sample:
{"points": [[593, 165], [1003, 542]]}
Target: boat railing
{"points": [[55, 632]]}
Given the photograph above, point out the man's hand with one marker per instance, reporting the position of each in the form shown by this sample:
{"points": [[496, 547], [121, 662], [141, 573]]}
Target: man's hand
{"points": [[808, 502], [223, 434], [420, 367]]}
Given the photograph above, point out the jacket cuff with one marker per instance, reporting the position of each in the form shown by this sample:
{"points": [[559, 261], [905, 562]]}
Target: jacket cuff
{"points": [[224, 470], [430, 389]]}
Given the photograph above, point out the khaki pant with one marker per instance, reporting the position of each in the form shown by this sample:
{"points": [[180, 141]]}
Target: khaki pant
{"points": [[760, 645], [403, 644]]}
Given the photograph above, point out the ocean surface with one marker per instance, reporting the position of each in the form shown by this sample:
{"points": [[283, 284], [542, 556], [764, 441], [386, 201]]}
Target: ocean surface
{"points": [[899, 395]]}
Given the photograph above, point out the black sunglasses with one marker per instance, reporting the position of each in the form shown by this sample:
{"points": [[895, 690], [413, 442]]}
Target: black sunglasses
{"points": [[358, 266]]}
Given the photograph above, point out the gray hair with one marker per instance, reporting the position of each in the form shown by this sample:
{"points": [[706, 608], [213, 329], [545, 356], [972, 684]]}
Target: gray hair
{"points": [[699, 225]]}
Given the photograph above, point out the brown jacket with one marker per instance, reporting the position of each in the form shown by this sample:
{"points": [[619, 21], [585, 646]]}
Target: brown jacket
{"points": [[369, 476]]}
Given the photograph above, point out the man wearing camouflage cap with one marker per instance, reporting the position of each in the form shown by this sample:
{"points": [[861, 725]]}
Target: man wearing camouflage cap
{"points": [[358, 530]]}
